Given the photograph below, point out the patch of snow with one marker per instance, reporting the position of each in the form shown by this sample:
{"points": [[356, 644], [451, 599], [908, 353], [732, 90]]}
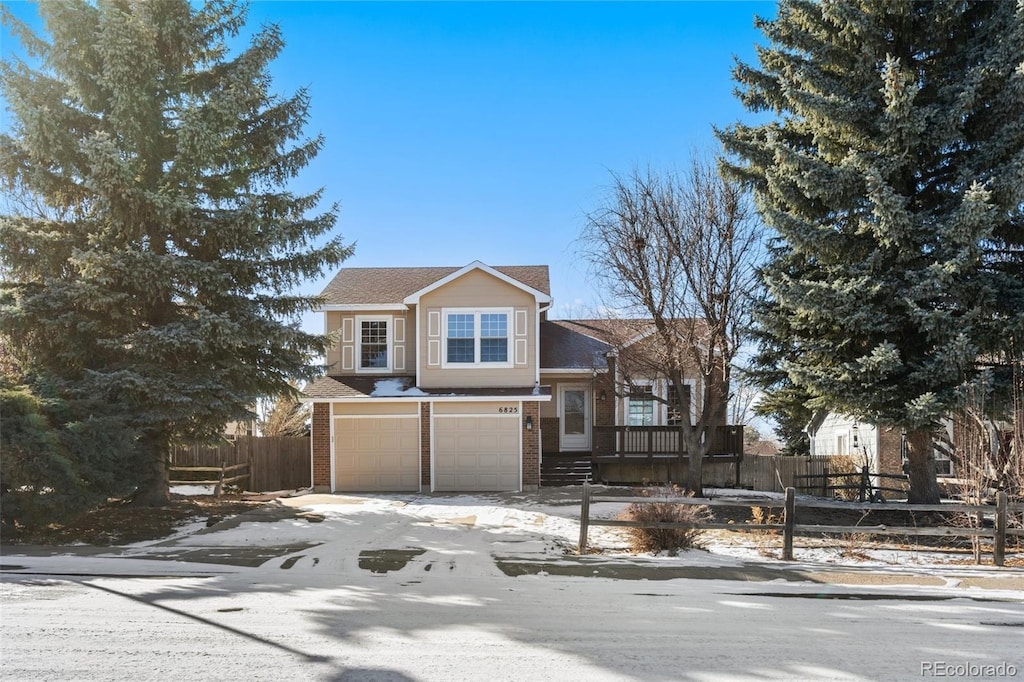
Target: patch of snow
{"points": [[389, 388], [193, 489]]}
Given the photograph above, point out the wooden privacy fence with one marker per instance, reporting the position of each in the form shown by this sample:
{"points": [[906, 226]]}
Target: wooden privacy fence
{"points": [[275, 462], [775, 473], [771, 473], [790, 527]]}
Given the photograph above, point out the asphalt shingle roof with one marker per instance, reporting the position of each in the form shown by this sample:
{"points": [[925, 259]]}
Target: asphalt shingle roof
{"points": [[332, 387], [566, 344], [367, 286]]}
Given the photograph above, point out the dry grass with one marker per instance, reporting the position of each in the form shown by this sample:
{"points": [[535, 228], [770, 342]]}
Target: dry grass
{"points": [[765, 539]]}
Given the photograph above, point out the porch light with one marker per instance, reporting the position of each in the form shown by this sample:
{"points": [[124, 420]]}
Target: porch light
{"points": [[529, 423], [602, 396]]}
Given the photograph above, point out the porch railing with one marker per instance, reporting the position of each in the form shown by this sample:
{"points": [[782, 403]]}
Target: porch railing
{"points": [[659, 441]]}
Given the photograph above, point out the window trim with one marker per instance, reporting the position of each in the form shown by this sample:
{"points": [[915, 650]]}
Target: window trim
{"points": [[476, 313], [390, 351], [643, 384], [665, 408]]}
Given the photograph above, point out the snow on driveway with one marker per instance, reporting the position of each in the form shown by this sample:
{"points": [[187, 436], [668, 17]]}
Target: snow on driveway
{"points": [[412, 588]]}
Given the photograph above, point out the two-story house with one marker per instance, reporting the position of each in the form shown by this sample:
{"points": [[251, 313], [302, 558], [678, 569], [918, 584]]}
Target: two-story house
{"points": [[453, 379]]}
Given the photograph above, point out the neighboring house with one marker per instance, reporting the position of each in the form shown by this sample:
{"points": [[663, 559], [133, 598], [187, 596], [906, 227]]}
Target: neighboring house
{"points": [[240, 428], [881, 448], [453, 379]]}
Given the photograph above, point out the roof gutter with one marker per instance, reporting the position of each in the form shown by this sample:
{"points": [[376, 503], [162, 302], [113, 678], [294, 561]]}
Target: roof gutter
{"points": [[358, 307]]}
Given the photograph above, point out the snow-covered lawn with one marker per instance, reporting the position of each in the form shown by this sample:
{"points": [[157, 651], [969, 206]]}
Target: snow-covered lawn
{"points": [[420, 587]]}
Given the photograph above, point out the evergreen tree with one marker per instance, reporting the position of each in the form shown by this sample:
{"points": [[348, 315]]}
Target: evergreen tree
{"points": [[152, 258], [893, 174]]}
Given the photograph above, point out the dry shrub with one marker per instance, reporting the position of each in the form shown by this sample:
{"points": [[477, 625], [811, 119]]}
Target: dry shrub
{"points": [[687, 516], [845, 464]]}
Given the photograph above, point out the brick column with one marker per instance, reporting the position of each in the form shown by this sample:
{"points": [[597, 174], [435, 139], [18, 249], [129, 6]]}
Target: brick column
{"points": [[425, 447], [531, 446], [890, 450], [321, 447], [604, 410]]}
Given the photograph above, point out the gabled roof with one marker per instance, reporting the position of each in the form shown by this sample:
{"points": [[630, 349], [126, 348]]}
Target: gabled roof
{"points": [[541, 296], [391, 286]]}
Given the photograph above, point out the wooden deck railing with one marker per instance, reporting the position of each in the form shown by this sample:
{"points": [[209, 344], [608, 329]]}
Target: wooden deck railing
{"points": [[659, 441]]}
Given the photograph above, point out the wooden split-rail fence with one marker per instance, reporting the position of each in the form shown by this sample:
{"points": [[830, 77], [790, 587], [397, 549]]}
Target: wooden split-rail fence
{"points": [[225, 475], [790, 527]]}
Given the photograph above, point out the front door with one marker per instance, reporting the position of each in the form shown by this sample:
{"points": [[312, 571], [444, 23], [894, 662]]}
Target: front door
{"points": [[574, 417]]}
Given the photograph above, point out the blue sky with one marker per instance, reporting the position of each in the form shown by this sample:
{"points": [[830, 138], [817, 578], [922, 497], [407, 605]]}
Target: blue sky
{"points": [[462, 131]]}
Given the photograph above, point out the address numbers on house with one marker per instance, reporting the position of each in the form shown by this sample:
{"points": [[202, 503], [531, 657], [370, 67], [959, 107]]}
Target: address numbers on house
{"points": [[508, 410]]}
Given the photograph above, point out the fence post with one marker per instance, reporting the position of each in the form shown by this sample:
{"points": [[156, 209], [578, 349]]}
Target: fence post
{"points": [[999, 536], [864, 482], [220, 481], [584, 518], [790, 521]]}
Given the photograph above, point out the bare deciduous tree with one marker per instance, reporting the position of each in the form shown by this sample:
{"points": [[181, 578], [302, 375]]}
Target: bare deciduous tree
{"points": [[286, 416], [675, 253]]}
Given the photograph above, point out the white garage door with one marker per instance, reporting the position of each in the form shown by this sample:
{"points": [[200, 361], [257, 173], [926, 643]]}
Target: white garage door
{"points": [[376, 454], [477, 453]]}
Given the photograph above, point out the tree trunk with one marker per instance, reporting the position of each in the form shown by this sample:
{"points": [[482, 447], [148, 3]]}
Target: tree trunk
{"points": [[695, 461], [924, 489], [695, 474], [154, 487]]}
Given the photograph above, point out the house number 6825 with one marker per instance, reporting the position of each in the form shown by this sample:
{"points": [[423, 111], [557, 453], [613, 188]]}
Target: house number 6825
{"points": [[508, 410]]}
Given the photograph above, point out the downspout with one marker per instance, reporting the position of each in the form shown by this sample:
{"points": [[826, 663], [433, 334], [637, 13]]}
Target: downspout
{"points": [[536, 342]]}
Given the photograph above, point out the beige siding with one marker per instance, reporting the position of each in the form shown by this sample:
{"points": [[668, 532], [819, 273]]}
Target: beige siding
{"points": [[376, 408], [342, 357], [481, 408], [477, 289], [333, 323]]}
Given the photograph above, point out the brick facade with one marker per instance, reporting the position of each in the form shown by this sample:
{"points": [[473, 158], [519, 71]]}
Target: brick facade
{"points": [[549, 434], [531, 446], [890, 450], [604, 384], [425, 446], [321, 447]]}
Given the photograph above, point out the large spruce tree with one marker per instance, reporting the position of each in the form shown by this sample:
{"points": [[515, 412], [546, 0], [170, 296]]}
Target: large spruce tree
{"points": [[893, 172], [152, 245]]}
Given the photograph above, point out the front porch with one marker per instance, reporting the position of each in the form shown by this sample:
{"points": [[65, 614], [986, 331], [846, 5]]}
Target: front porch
{"points": [[632, 442], [634, 454]]}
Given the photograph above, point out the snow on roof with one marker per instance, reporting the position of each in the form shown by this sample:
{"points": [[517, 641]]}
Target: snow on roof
{"points": [[389, 388]]}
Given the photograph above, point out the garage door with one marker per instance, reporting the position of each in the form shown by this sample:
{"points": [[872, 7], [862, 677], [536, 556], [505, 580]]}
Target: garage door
{"points": [[476, 453], [376, 454]]}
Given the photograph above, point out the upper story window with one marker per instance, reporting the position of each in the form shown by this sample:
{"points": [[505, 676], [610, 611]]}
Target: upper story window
{"points": [[374, 344], [476, 338]]}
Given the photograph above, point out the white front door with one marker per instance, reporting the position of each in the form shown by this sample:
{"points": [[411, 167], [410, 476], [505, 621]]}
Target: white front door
{"points": [[574, 417]]}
